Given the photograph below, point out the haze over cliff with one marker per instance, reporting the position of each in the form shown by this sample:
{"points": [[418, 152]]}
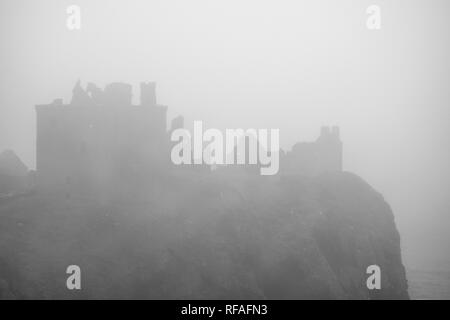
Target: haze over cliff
{"points": [[208, 236]]}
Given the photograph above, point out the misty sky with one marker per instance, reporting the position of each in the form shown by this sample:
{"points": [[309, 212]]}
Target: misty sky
{"points": [[293, 65]]}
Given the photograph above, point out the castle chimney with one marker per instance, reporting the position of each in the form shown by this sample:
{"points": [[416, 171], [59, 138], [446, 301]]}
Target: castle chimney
{"points": [[148, 94], [324, 131], [335, 131]]}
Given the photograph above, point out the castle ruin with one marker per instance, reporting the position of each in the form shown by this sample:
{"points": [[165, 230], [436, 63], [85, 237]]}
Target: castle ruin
{"points": [[312, 158], [101, 139]]}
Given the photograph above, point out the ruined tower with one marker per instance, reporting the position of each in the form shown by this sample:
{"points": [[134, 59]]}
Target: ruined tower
{"points": [[101, 138], [312, 158]]}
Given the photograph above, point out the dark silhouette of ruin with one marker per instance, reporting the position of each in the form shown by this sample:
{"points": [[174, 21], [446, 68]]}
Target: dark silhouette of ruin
{"points": [[312, 158], [101, 139]]}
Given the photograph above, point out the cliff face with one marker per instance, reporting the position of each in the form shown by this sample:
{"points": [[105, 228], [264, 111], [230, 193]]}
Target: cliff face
{"points": [[213, 238], [13, 173]]}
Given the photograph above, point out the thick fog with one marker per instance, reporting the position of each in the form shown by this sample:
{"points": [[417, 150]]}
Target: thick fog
{"points": [[292, 65]]}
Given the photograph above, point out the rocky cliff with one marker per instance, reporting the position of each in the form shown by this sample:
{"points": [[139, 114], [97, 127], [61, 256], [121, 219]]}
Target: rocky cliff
{"points": [[13, 174], [212, 237]]}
